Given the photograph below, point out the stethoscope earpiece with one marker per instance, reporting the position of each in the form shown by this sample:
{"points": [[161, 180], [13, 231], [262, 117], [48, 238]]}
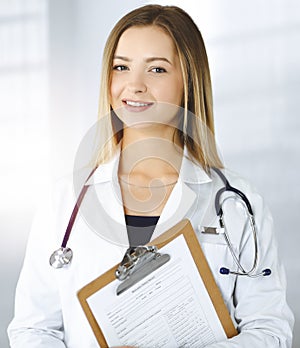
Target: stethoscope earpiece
{"points": [[252, 273], [264, 273], [61, 257], [224, 270]]}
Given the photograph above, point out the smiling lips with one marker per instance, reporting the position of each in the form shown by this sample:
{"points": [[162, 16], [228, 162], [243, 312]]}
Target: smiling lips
{"points": [[135, 105]]}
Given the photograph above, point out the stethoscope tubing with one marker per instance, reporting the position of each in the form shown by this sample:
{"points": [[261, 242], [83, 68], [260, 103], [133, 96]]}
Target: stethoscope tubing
{"points": [[63, 256], [219, 211], [75, 211], [228, 187]]}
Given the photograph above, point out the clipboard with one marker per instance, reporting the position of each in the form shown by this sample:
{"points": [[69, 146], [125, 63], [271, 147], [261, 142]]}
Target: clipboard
{"points": [[184, 228]]}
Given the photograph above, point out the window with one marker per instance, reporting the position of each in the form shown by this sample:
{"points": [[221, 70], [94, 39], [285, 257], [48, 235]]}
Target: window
{"points": [[23, 93]]}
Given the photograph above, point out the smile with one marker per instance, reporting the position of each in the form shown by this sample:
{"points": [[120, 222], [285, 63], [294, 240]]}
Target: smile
{"points": [[136, 106], [136, 103]]}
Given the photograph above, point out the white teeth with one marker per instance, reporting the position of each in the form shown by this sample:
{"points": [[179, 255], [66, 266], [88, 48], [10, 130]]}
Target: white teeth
{"points": [[132, 103]]}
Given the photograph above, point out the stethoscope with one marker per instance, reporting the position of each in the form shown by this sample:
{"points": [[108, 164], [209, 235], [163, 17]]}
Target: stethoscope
{"points": [[247, 206], [62, 257]]}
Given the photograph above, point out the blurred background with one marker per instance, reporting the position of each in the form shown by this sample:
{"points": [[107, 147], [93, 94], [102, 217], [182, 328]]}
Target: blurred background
{"points": [[50, 58]]}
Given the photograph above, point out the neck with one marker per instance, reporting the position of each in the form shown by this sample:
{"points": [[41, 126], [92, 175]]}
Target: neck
{"points": [[150, 153], [143, 132]]}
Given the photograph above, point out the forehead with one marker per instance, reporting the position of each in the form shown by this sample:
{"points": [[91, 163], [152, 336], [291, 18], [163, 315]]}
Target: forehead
{"points": [[145, 40]]}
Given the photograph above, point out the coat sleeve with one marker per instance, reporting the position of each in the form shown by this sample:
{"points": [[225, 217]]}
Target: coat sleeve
{"points": [[37, 321], [260, 310]]}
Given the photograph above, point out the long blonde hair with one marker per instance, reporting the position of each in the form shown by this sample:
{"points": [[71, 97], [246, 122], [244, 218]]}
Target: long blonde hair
{"points": [[196, 133]]}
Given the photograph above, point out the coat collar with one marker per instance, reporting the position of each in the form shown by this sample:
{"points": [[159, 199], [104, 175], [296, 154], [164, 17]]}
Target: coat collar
{"points": [[190, 172], [181, 204]]}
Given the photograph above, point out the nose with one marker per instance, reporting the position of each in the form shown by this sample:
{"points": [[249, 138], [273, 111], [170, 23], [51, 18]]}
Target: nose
{"points": [[136, 84]]}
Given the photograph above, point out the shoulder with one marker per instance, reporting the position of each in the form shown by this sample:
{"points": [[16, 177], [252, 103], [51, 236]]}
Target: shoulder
{"points": [[68, 187], [235, 180], [244, 185], [54, 207]]}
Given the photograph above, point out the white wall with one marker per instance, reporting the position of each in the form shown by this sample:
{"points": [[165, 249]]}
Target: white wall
{"points": [[23, 134], [50, 55], [254, 58], [254, 54]]}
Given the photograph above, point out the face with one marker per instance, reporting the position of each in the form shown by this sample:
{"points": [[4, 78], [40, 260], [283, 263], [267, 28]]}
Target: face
{"points": [[146, 72]]}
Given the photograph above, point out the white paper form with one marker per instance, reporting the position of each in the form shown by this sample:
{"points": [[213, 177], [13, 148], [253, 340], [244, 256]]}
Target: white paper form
{"points": [[168, 308]]}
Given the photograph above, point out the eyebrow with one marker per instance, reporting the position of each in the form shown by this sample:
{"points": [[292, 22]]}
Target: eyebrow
{"points": [[148, 60]]}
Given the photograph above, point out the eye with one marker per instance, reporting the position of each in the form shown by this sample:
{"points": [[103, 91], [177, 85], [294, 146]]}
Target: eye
{"points": [[120, 67], [158, 70]]}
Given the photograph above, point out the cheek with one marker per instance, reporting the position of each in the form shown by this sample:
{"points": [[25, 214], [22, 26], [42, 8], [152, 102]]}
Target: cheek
{"points": [[173, 94], [180, 89], [115, 89], [172, 90]]}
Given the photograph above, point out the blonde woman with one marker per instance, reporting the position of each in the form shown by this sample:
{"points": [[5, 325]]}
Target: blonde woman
{"points": [[158, 164]]}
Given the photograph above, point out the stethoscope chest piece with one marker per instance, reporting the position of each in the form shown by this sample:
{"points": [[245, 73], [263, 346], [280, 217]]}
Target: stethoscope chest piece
{"points": [[61, 257]]}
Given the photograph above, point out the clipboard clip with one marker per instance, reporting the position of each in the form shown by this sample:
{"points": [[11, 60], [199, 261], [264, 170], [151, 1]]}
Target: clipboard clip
{"points": [[137, 263]]}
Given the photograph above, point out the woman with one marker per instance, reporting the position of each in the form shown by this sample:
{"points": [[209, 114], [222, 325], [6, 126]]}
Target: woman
{"points": [[155, 78]]}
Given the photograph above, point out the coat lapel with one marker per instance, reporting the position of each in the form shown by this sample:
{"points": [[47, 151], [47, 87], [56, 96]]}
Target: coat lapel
{"points": [[181, 204], [106, 196], [184, 199]]}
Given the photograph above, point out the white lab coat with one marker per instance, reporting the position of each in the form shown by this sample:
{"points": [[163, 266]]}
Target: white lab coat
{"points": [[47, 311]]}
